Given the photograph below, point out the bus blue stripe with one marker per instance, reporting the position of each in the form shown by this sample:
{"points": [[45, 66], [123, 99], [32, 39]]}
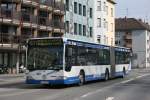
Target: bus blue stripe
{"points": [[71, 80]]}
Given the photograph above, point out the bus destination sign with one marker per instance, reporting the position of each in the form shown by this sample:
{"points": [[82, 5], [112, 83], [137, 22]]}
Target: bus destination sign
{"points": [[45, 42]]}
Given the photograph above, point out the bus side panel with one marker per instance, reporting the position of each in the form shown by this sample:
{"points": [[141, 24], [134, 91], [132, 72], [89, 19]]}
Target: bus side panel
{"points": [[96, 72], [112, 62], [119, 69]]}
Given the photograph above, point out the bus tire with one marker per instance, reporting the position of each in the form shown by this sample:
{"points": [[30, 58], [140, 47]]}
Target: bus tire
{"points": [[106, 75], [81, 78], [123, 72]]}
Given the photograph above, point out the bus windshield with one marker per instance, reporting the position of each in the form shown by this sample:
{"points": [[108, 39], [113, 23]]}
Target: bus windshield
{"points": [[45, 58]]}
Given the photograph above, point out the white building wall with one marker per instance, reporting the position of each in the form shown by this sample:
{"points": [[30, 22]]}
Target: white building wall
{"points": [[99, 31], [139, 47], [79, 19]]}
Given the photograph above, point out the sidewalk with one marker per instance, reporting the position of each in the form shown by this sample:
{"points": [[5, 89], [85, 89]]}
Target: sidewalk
{"points": [[11, 78], [141, 70]]}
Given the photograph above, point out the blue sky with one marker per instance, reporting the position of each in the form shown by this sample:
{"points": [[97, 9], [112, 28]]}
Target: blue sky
{"points": [[136, 8]]}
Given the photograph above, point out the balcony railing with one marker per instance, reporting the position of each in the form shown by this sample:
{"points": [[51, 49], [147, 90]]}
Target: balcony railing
{"points": [[58, 24], [46, 2], [27, 17], [6, 13], [10, 1], [9, 14], [6, 38], [59, 6], [44, 21]]}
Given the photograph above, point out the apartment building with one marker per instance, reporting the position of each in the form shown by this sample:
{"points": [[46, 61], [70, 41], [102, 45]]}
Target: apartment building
{"points": [[104, 22], [79, 20], [135, 34], [22, 19]]}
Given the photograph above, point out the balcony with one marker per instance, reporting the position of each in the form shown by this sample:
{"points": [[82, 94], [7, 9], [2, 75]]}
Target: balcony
{"points": [[30, 2], [46, 4], [128, 37], [59, 8], [10, 1], [9, 16], [28, 19], [44, 23], [128, 45], [6, 38], [58, 26], [9, 41]]}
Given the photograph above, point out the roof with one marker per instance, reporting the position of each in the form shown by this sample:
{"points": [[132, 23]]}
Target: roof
{"points": [[112, 1], [123, 24]]}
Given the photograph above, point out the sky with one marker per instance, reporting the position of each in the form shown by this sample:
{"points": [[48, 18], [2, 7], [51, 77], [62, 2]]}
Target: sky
{"points": [[133, 8]]}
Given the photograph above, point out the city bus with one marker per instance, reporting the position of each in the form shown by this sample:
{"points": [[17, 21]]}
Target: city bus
{"points": [[66, 61]]}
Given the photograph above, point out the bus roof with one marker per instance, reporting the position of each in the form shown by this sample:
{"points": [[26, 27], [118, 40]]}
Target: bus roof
{"points": [[88, 44]]}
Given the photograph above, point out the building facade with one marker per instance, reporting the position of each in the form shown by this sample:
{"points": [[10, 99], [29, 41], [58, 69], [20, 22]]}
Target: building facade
{"points": [[134, 34], [79, 19], [104, 22], [22, 19], [84, 20]]}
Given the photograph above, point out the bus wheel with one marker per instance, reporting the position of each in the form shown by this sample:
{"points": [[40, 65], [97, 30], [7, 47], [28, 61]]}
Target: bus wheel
{"points": [[81, 78], [106, 75], [123, 73]]}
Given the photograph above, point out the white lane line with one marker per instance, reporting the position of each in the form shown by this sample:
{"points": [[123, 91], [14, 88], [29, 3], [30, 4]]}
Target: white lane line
{"points": [[6, 89], [110, 98], [100, 90], [126, 81], [19, 93]]}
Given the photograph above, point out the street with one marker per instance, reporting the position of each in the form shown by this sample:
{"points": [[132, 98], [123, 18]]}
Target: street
{"points": [[136, 86]]}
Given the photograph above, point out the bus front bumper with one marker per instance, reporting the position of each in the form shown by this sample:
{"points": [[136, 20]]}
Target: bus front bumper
{"points": [[71, 80]]}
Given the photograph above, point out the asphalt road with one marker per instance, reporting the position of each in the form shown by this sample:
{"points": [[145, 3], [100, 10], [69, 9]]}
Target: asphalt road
{"points": [[135, 86]]}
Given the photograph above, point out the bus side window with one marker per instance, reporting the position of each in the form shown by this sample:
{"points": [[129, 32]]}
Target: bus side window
{"points": [[69, 52]]}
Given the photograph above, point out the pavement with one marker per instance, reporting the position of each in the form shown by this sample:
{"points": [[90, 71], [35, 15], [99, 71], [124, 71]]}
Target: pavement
{"points": [[135, 86], [11, 78]]}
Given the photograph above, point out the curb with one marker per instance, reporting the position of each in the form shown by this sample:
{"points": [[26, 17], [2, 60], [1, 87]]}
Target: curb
{"points": [[11, 82]]}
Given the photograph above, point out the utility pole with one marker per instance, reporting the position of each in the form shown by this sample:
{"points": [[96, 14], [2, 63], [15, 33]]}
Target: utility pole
{"points": [[127, 12]]}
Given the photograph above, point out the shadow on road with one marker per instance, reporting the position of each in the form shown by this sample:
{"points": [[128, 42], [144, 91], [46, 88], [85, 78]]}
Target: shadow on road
{"points": [[22, 85]]}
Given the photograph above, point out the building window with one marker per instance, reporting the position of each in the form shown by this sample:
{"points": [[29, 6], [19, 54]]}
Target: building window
{"points": [[75, 7], [84, 10], [75, 28], [99, 39], [112, 12], [104, 22], [104, 7], [112, 27], [98, 5], [91, 12], [107, 10], [98, 22], [107, 25], [80, 29], [67, 5], [80, 9], [67, 26], [91, 31], [84, 30]]}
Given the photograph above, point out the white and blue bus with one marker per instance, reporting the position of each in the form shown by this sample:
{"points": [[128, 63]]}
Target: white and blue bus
{"points": [[65, 61]]}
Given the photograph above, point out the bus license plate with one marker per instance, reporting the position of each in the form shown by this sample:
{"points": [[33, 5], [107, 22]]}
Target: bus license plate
{"points": [[44, 82]]}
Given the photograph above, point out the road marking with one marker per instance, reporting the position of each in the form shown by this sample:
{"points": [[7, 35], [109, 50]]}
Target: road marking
{"points": [[110, 98], [123, 82], [126, 81]]}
